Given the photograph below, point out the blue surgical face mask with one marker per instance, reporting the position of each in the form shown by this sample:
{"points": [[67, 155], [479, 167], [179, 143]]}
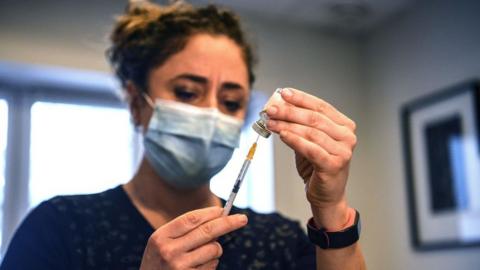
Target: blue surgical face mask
{"points": [[187, 145]]}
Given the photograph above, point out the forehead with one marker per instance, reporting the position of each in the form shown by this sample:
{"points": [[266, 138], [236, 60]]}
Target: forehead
{"points": [[210, 56]]}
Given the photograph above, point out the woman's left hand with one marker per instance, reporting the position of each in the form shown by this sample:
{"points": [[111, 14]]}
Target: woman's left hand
{"points": [[323, 140]]}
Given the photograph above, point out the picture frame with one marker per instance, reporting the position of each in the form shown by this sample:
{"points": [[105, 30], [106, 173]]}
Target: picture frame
{"points": [[441, 140]]}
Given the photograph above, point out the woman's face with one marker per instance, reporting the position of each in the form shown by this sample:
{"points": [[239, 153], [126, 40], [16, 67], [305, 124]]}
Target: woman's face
{"points": [[209, 72]]}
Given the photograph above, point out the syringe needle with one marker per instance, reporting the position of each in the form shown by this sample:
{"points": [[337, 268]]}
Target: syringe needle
{"points": [[238, 182]]}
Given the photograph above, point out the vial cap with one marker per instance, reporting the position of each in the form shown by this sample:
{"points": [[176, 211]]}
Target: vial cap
{"points": [[261, 129]]}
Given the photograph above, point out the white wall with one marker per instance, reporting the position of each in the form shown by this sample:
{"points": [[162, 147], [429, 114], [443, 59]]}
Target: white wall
{"points": [[435, 45]]}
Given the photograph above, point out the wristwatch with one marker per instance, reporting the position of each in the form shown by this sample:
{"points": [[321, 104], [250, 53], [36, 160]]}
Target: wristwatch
{"points": [[330, 240]]}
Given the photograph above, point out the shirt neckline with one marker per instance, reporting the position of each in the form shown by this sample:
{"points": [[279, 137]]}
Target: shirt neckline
{"points": [[132, 209]]}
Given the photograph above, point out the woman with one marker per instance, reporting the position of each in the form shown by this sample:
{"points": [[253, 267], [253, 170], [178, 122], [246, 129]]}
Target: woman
{"points": [[187, 73]]}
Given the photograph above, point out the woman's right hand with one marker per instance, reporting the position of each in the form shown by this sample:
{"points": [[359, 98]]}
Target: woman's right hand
{"points": [[189, 241]]}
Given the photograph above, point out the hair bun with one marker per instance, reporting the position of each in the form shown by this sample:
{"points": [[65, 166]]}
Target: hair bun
{"points": [[148, 33], [139, 7]]}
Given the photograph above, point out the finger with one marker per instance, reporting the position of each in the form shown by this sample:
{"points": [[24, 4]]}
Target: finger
{"points": [[209, 265], [189, 221], [309, 118], [316, 136], [204, 254], [310, 102], [210, 231], [314, 153]]}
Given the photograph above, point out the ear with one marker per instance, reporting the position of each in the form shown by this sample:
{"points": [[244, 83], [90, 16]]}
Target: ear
{"points": [[135, 102]]}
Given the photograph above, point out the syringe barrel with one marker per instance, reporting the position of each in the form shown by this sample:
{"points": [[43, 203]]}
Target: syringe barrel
{"points": [[236, 187], [241, 175], [229, 204]]}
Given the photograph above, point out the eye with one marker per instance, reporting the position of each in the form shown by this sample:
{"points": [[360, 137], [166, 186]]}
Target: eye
{"points": [[232, 105], [183, 94]]}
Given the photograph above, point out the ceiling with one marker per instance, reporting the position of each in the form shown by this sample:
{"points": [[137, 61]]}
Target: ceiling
{"points": [[351, 16], [344, 16]]}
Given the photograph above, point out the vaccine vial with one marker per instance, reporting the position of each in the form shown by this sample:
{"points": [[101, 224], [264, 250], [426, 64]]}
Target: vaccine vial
{"points": [[260, 126]]}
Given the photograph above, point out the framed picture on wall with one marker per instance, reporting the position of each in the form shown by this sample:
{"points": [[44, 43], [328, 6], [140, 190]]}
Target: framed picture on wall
{"points": [[441, 136]]}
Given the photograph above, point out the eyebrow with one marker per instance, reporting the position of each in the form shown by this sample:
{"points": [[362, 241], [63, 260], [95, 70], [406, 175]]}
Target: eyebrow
{"points": [[203, 80], [191, 77], [231, 86]]}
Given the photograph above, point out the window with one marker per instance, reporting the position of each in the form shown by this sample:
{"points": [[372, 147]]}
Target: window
{"points": [[78, 149], [3, 146], [68, 134]]}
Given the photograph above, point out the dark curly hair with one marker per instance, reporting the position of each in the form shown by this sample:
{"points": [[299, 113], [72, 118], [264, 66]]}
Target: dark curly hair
{"points": [[148, 34]]}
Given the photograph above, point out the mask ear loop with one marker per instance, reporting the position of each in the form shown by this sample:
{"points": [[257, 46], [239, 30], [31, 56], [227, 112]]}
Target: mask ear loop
{"points": [[150, 103], [148, 100]]}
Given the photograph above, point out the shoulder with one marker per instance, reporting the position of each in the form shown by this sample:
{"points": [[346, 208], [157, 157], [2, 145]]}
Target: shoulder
{"points": [[87, 210], [71, 214], [84, 204], [87, 216]]}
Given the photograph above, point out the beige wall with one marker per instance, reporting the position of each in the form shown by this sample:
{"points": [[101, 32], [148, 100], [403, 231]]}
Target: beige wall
{"points": [[70, 34], [434, 46]]}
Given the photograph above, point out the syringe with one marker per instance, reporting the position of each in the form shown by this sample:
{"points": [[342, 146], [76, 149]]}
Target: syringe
{"points": [[241, 175]]}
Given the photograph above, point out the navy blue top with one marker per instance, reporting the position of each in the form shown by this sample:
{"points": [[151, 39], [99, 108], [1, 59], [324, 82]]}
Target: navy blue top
{"points": [[106, 231]]}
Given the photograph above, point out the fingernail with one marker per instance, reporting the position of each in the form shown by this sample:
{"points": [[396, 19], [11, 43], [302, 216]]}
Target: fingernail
{"points": [[271, 123], [272, 110], [287, 92], [243, 219]]}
